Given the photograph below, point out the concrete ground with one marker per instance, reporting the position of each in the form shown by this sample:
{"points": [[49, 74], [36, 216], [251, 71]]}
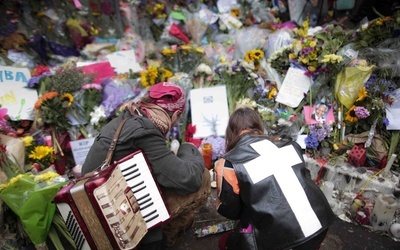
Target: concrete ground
{"points": [[341, 236]]}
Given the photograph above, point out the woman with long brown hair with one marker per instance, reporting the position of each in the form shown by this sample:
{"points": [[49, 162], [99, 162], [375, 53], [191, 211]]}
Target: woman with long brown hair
{"points": [[268, 189]]}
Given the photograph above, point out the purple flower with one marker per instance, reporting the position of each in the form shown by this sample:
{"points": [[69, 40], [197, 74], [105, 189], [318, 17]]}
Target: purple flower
{"points": [[385, 121], [311, 141], [361, 112], [34, 80], [218, 146]]}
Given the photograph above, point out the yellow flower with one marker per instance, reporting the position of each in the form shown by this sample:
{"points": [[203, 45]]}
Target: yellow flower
{"points": [[351, 115], [272, 93], [304, 60], [186, 47], [68, 97], [313, 44], [311, 68], [168, 52], [335, 146], [48, 176], [41, 152], [248, 57], [27, 140], [235, 12], [292, 56], [199, 50], [312, 56], [362, 94], [258, 54]]}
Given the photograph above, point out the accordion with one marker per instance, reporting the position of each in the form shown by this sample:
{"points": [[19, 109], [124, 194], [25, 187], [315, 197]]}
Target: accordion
{"points": [[114, 207]]}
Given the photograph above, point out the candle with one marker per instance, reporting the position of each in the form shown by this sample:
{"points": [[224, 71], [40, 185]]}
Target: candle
{"points": [[327, 189], [343, 130], [339, 114], [390, 163], [206, 150], [383, 212]]}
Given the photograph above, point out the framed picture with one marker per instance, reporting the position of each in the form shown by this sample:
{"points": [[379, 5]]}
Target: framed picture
{"points": [[318, 113]]}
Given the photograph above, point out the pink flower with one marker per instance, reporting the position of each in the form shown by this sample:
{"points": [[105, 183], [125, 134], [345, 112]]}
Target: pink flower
{"points": [[92, 86]]}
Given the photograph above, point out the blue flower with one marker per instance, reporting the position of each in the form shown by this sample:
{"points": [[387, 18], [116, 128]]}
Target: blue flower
{"points": [[311, 141]]}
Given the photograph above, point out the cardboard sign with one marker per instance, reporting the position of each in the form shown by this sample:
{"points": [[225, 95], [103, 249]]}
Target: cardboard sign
{"points": [[15, 95]]}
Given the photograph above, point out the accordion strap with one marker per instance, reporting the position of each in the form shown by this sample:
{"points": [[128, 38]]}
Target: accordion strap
{"points": [[113, 144]]}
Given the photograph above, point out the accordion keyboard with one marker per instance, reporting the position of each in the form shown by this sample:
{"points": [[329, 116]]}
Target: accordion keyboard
{"points": [[141, 181]]}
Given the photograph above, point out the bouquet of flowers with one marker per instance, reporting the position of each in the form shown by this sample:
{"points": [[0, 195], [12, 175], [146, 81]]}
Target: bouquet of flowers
{"points": [[254, 56], [182, 58], [39, 155], [279, 60], [377, 31], [369, 109], [239, 78], [319, 137], [154, 75]]}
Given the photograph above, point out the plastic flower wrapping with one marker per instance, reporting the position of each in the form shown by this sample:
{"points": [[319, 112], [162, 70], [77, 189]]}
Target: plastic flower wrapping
{"points": [[30, 198]]}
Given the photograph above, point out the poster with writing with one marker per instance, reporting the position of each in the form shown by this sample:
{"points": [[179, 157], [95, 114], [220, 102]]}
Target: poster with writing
{"points": [[14, 95], [209, 108], [80, 149], [293, 88]]}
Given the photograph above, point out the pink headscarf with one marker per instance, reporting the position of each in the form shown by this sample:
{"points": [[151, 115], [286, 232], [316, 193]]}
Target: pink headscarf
{"points": [[168, 95]]}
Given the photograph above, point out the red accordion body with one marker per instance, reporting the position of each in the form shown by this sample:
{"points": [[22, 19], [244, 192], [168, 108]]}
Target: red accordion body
{"points": [[113, 208]]}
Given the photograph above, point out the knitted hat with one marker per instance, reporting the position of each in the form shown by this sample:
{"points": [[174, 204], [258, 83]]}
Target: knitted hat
{"points": [[168, 95]]}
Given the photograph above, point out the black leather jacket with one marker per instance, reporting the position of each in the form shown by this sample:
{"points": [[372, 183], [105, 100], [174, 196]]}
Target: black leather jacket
{"points": [[277, 197]]}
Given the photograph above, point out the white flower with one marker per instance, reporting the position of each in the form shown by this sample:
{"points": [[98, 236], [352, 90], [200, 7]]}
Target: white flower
{"points": [[203, 68], [98, 113]]}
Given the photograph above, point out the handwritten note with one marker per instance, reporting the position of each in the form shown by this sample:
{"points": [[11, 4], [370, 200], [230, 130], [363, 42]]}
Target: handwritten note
{"points": [[209, 107], [14, 95], [293, 88]]}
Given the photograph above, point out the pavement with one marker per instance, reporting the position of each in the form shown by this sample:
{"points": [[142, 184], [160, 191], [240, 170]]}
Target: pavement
{"points": [[342, 235]]}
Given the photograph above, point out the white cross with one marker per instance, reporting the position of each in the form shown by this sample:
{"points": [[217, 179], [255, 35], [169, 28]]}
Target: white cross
{"points": [[279, 162]]}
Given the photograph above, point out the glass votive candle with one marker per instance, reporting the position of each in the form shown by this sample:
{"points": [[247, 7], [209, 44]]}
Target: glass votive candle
{"points": [[206, 150]]}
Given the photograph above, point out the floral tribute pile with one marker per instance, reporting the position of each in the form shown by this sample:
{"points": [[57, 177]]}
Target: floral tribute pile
{"points": [[249, 48]]}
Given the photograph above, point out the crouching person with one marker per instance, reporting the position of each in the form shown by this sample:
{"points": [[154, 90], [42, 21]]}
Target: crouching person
{"points": [[268, 189]]}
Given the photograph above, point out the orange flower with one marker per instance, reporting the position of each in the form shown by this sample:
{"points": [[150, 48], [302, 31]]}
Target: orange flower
{"points": [[45, 97]]}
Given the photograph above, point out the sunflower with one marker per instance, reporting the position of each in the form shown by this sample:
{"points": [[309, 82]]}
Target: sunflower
{"points": [[68, 97], [351, 115], [41, 152]]}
